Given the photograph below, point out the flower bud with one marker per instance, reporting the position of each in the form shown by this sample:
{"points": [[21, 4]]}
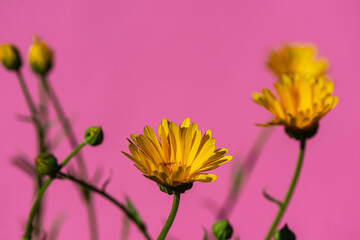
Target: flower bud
{"points": [[40, 57], [222, 230], [284, 234], [10, 57], [46, 164], [94, 136]]}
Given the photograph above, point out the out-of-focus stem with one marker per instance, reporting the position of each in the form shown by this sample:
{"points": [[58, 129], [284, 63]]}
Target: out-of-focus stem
{"points": [[243, 172], [41, 132], [79, 158]]}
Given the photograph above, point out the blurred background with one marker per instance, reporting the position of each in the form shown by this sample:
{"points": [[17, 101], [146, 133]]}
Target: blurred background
{"points": [[127, 64]]}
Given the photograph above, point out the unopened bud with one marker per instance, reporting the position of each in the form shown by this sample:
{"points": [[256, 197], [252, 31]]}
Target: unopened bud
{"points": [[284, 234], [40, 57], [46, 164], [10, 57], [94, 136], [222, 230]]}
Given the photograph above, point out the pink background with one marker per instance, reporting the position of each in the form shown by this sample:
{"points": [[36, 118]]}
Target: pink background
{"points": [[124, 64]]}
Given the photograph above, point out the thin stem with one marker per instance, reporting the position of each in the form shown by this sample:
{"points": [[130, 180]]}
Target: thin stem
{"points": [[243, 173], [121, 206], [72, 154], [33, 111], [66, 124], [171, 217], [289, 193], [29, 226], [80, 160], [40, 130]]}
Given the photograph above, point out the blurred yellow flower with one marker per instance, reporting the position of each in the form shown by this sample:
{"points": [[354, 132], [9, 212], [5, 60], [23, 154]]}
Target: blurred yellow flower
{"points": [[40, 57], [179, 156], [302, 102], [296, 59], [10, 57]]}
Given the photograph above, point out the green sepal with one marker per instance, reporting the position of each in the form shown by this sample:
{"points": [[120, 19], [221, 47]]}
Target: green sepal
{"points": [[175, 190], [302, 134]]}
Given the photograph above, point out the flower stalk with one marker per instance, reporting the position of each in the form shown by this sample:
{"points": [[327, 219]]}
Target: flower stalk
{"points": [[170, 220], [284, 204]]}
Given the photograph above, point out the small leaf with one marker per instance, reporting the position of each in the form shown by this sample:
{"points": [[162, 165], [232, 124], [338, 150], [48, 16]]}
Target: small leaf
{"points": [[135, 214], [206, 237]]}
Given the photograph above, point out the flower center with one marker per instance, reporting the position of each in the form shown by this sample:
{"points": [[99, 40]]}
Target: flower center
{"points": [[173, 167]]}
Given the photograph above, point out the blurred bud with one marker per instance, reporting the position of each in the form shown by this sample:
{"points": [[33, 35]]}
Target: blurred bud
{"points": [[10, 57], [94, 136], [46, 164], [222, 230], [284, 234], [40, 57]]}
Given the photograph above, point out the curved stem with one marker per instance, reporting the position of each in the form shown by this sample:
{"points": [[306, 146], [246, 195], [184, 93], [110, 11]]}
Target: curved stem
{"points": [[289, 193], [110, 198], [171, 217], [29, 226]]}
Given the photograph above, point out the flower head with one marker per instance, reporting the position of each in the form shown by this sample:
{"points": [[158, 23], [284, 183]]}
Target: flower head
{"points": [[302, 102], [10, 57], [296, 59], [179, 156], [40, 57]]}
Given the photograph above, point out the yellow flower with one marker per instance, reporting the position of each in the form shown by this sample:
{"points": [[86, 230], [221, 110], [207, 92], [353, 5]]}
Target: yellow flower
{"points": [[296, 59], [40, 57], [10, 57], [179, 156], [302, 102]]}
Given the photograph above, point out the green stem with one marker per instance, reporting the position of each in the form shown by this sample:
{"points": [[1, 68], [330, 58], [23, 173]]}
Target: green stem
{"points": [[29, 226], [171, 217], [289, 193], [121, 206]]}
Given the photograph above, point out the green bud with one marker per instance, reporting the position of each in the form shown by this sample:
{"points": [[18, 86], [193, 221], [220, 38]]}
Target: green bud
{"points": [[94, 136], [10, 57], [40, 57], [284, 234], [222, 230], [46, 164]]}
